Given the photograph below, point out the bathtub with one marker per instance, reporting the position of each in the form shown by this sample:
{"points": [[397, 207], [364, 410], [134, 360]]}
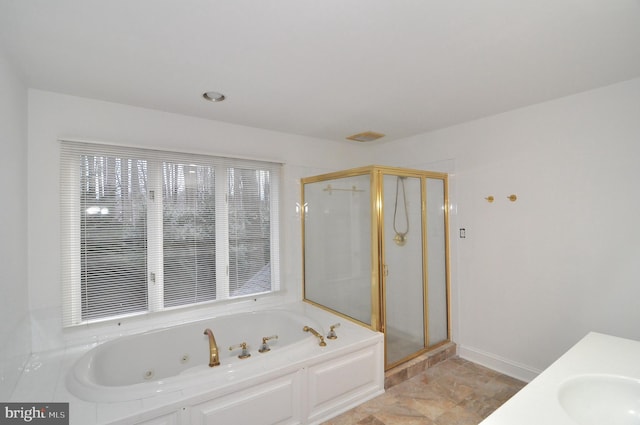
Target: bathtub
{"points": [[145, 365], [295, 381]]}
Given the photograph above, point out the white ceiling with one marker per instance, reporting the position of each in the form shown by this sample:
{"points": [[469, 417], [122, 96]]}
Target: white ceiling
{"points": [[324, 68]]}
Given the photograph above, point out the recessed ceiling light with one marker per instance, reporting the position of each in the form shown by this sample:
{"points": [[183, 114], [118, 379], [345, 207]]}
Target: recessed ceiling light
{"points": [[213, 96]]}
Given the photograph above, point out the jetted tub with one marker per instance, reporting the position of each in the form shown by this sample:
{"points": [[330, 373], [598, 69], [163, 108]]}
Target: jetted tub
{"points": [[296, 381], [140, 366]]}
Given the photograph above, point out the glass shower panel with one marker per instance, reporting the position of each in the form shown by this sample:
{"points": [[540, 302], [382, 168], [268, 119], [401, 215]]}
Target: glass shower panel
{"points": [[404, 291], [436, 262], [337, 245]]}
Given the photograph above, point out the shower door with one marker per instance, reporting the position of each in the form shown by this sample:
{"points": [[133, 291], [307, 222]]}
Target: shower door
{"points": [[414, 265], [404, 294]]}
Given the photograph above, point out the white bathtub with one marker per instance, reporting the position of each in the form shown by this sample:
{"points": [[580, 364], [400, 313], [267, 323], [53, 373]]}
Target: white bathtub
{"points": [[165, 373], [142, 366]]}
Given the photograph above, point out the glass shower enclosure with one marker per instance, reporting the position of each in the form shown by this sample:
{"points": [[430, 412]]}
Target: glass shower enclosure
{"points": [[376, 252]]}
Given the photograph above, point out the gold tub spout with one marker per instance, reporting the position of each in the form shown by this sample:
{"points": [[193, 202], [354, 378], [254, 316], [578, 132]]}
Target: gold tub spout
{"points": [[317, 334], [214, 358]]}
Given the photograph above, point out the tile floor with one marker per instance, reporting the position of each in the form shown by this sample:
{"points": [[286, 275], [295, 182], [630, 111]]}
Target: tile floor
{"points": [[453, 392]]}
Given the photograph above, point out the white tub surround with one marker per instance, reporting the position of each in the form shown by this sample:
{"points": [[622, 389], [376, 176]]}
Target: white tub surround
{"points": [[596, 382], [297, 382]]}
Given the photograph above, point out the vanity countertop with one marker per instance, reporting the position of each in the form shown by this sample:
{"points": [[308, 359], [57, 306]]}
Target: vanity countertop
{"points": [[595, 356]]}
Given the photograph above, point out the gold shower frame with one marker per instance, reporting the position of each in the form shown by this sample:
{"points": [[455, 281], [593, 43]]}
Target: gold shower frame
{"points": [[378, 263]]}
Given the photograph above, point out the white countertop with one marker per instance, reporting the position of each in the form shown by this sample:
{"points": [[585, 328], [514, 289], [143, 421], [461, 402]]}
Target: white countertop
{"points": [[538, 402]]}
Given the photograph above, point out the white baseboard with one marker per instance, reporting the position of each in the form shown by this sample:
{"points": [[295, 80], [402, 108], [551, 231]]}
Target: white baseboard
{"points": [[499, 364]]}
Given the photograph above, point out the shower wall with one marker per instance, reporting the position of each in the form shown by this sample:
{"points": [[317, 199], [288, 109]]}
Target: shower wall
{"points": [[337, 251], [437, 269]]}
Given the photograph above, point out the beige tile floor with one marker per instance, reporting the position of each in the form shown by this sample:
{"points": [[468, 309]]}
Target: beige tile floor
{"points": [[453, 392]]}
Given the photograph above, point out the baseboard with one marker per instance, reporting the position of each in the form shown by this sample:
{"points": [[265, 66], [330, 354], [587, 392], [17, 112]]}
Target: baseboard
{"points": [[497, 363]]}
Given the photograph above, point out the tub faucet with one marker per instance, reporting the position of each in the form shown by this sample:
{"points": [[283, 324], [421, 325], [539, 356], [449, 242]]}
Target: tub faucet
{"points": [[317, 335], [214, 358]]}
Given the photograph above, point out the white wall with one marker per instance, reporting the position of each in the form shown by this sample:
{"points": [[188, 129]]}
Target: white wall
{"points": [[534, 276], [15, 337], [54, 116]]}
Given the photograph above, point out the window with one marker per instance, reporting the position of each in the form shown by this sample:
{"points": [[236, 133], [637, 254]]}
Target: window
{"points": [[146, 230]]}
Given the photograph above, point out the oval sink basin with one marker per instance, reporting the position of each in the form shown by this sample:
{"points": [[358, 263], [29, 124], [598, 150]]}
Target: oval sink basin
{"points": [[601, 399]]}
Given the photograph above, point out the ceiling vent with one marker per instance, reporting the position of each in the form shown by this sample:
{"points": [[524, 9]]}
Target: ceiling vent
{"points": [[367, 136]]}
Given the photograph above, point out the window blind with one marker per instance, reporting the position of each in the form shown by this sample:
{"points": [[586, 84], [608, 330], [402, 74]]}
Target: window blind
{"points": [[148, 230]]}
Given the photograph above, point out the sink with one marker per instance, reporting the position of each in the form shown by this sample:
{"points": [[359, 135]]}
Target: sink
{"points": [[601, 399]]}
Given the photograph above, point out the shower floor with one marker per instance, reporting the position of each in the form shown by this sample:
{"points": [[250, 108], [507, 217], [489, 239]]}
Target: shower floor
{"points": [[401, 345]]}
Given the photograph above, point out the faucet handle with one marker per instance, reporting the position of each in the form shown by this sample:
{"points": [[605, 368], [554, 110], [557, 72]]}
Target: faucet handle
{"points": [[264, 347], [245, 352], [332, 332]]}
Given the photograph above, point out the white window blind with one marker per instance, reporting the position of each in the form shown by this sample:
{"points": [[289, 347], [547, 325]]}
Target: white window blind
{"points": [[145, 230]]}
